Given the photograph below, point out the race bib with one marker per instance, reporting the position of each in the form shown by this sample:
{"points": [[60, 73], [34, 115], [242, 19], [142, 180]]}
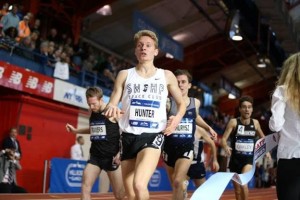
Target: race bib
{"points": [[184, 129], [143, 113], [98, 131], [244, 146]]}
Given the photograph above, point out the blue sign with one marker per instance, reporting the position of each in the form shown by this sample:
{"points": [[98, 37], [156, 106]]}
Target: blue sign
{"points": [[66, 176], [159, 180], [165, 42]]}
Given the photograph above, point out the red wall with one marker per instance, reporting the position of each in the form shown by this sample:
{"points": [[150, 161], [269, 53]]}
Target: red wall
{"points": [[9, 111], [45, 135]]}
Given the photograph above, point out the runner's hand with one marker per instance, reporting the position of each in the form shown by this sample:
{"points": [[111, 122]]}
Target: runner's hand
{"points": [[171, 125], [70, 128], [228, 151], [113, 111]]}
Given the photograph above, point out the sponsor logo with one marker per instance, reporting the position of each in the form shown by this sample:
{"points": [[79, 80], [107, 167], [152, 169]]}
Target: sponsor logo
{"points": [[154, 125], [1, 71], [155, 179], [136, 102], [47, 87], [15, 78], [32, 82], [73, 174], [144, 124], [135, 123], [73, 96]]}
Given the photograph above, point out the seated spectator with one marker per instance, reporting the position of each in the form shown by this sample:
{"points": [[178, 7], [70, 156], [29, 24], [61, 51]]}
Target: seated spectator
{"points": [[26, 43], [35, 41], [106, 67], [27, 51], [70, 54], [42, 53], [53, 36], [89, 63], [57, 54], [51, 57], [8, 166], [61, 70], [36, 26]]}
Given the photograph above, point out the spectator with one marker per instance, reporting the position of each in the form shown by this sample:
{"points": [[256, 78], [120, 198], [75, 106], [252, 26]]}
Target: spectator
{"points": [[52, 60], [266, 177], [76, 149], [8, 166], [11, 23], [62, 67], [4, 10], [286, 121], [57, 55], [42, 55], [36, 26], [20, 12], [35, 41], [26, 44], [89, 63], [257, 176], [53, 36], [24, 30], [11, 142]]}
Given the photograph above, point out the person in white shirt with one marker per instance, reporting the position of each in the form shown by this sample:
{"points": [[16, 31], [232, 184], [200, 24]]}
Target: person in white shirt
{"points": [[61, 69], [285, 119], [76, 149], [143, 91]]}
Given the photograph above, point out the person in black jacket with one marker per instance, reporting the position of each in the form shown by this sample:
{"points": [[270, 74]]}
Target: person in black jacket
{"points": [[11, 142]]}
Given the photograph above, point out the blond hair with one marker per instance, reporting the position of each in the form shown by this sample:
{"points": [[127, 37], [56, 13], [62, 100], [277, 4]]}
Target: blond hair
{"points": [[290, 78], [148, 33]]}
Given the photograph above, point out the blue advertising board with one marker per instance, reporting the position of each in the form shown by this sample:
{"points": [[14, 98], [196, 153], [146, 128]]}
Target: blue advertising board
{"points": [[66, 176]]}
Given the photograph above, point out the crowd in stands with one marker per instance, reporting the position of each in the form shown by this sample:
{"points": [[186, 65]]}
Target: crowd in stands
{"points": [[56, 49]]}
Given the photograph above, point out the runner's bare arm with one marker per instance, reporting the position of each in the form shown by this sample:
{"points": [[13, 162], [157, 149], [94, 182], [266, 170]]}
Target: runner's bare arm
{"points": [[112, 109], [176, 94]]}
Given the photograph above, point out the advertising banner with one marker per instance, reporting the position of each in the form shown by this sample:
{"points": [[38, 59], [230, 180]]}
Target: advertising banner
{"points": [[26, 80], [69, 93], [66, 176]]}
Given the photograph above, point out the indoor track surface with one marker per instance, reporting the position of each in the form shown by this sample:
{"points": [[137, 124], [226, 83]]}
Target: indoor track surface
{"points": [[255, 194]]}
